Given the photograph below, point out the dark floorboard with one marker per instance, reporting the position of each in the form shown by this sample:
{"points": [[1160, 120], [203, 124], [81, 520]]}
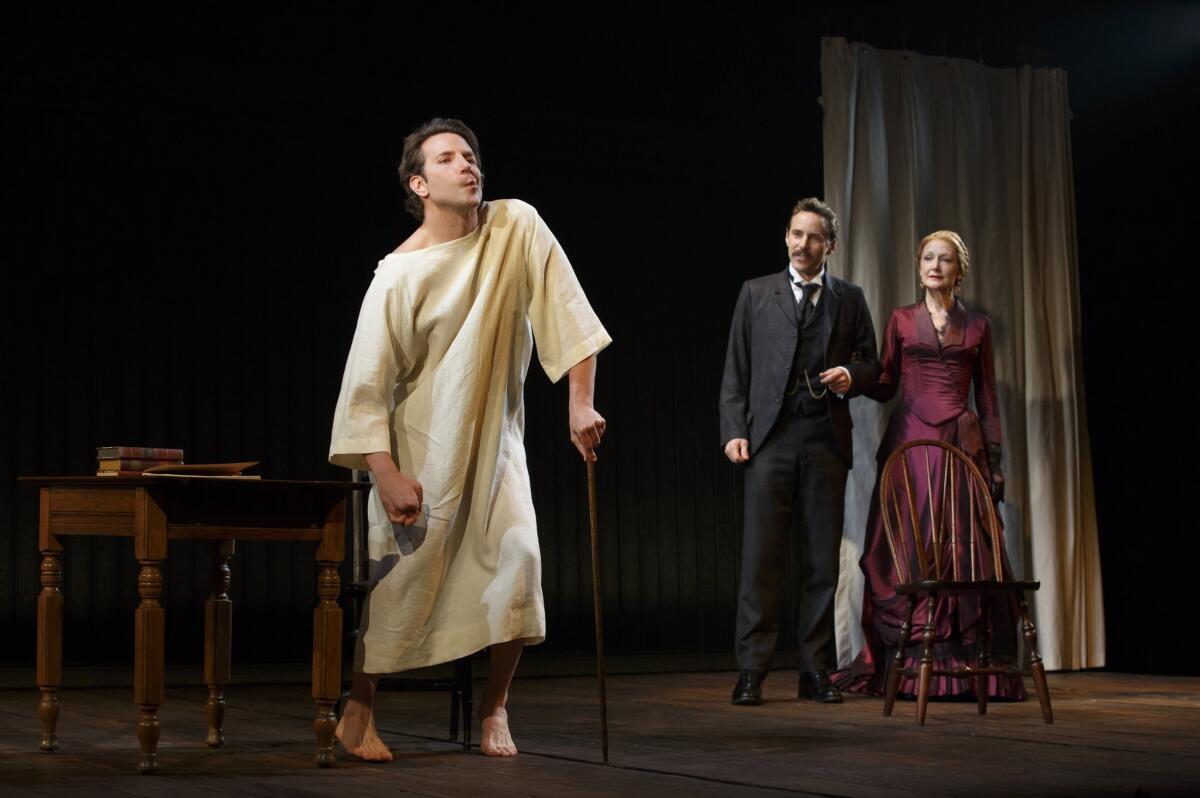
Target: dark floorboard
{"points": [[671, 735]]}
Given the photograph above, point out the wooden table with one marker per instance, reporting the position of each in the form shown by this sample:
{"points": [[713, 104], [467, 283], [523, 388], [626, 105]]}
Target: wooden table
{"points": [[153, 510]]}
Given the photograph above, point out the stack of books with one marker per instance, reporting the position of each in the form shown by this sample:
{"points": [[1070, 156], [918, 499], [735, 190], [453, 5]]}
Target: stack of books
{"points": [[138, 461], [132, 461]]}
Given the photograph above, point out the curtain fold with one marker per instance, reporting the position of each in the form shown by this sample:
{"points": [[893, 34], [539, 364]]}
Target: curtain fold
{"points": [[916, 143]]}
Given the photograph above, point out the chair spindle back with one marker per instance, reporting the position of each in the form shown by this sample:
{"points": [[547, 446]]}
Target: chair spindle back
{"points": [[938, 515]]}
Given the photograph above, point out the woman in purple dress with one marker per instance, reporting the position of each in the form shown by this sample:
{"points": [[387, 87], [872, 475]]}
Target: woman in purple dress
{"points": [[933, 351]]}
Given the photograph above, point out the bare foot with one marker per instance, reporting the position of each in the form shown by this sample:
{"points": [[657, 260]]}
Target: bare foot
{"points": [[497, 740], [360, 738]]}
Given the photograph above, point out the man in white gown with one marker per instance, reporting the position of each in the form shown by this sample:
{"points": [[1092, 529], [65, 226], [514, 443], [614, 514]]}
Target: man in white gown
{"points": [[432, 404]]}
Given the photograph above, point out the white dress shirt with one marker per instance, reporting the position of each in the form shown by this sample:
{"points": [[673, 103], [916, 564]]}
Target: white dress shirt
{"points": [[798, 283]]}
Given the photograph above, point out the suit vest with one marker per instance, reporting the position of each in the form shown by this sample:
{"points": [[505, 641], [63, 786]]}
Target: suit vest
{"points": [[808, 358]]}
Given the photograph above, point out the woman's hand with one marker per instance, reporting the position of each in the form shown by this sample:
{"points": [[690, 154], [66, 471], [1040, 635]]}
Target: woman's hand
{"points": [[997, 487], [994, 459]]}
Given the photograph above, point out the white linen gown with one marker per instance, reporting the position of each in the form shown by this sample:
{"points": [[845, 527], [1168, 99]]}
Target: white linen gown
{"points": [[435, 376]]}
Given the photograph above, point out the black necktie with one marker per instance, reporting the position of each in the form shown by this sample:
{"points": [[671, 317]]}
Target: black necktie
{"points": [[806, 305]]}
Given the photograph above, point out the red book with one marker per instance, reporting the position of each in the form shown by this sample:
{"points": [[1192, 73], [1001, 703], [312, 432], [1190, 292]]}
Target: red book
{"points": [[123, 464], [139, 453]]}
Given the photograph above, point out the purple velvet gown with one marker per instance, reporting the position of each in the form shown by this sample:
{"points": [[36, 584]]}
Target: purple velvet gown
{"points": [[934, 380]]}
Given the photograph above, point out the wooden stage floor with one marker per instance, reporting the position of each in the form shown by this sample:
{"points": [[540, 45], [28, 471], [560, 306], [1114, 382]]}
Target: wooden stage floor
{"points": [[671, 735]]}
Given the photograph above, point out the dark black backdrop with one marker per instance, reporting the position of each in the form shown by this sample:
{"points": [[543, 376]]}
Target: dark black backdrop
{"points": [[196, 198]]}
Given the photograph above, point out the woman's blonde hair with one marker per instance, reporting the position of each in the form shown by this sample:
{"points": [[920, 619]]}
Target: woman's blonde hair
{"points": [[955, 240]]}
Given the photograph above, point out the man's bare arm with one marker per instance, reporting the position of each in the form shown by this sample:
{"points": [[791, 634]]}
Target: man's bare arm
{"points": [[587, 426]]}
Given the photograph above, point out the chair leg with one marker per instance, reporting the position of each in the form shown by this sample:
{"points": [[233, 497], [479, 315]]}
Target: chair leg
{"points": [[983, 660], [467, 690], [925, 675], [461, 701], [1036, 670], [897, 664], [218, 623], [1043, 689]]}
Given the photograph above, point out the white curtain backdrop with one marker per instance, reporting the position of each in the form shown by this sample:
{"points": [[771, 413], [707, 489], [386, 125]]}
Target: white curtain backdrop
{"points": [[914, 144]]}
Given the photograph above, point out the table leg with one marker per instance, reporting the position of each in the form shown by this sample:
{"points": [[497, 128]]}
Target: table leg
{"points": [[149, 633], [218, 626], [49, 644], [327, 660]]}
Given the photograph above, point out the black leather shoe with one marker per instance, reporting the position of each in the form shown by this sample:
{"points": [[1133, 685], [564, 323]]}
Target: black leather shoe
{"points": [[816, 685], [748, 690]]}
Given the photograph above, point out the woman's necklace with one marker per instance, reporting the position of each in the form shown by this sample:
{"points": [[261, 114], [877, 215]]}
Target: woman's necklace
{"points": [[940, 318]]}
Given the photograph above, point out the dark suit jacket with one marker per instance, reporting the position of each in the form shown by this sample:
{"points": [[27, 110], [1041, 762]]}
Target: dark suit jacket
{"points": [[762, 344]]}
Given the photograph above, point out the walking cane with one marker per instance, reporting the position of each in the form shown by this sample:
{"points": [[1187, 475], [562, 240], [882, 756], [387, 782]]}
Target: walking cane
{"points": [[596, 600]]}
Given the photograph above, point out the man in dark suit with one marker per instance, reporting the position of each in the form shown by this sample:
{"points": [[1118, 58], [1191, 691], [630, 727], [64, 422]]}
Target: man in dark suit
{"points": [[801, 344]]}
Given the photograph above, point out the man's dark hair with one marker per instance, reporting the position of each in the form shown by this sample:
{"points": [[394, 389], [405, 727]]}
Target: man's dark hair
{"points": [[412, 162], [814, 205]]}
